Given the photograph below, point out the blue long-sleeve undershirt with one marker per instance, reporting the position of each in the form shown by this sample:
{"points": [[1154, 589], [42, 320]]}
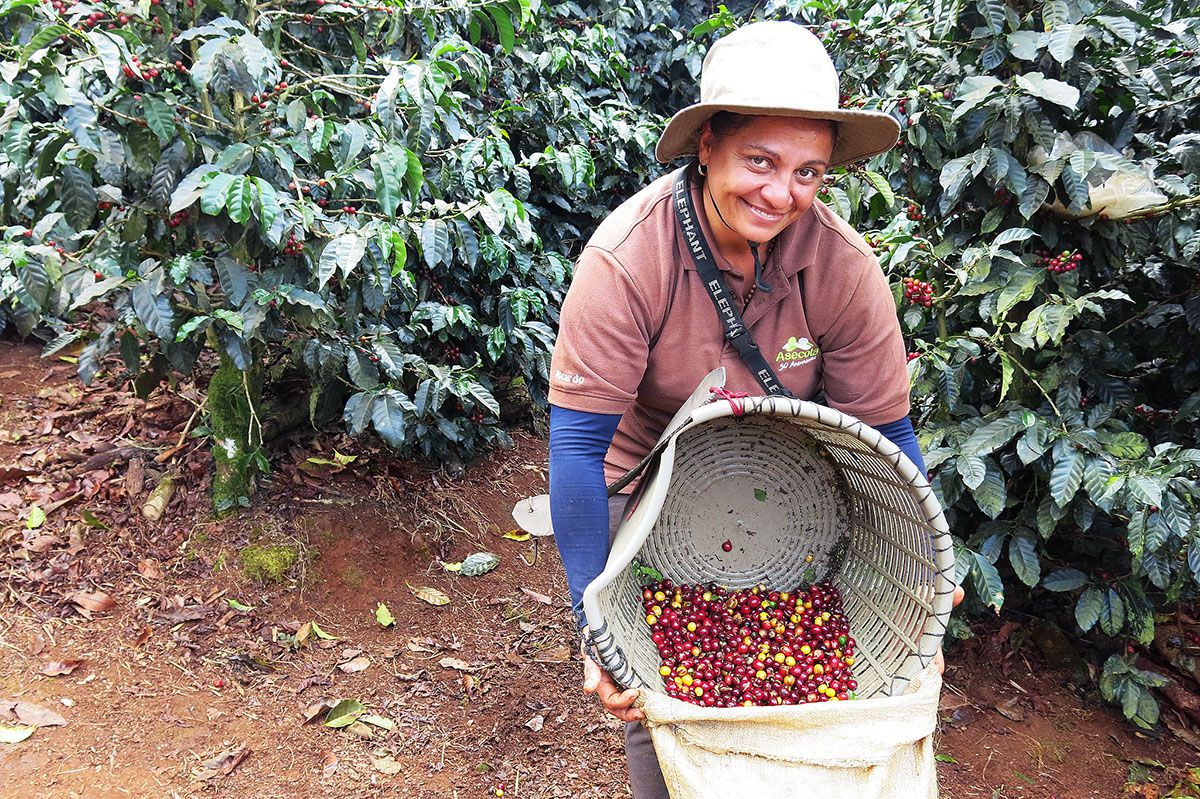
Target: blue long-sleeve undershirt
{"points": [[579, 496]]}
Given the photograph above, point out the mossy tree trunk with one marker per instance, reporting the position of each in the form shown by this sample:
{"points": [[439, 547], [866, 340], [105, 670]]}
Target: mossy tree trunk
{"points": [[234, 400]]}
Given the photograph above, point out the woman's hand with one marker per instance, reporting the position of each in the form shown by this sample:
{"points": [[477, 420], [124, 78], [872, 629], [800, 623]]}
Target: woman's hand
{"points": [[939, 659], [620, 703]]}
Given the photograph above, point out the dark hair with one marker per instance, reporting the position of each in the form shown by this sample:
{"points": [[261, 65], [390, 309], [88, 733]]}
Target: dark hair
{"points": [[726, 123]]}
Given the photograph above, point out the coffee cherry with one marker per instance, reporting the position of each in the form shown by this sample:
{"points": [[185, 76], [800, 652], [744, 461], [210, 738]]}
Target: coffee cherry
{"points": [[918, 292], [722, 648], [727, 546]]}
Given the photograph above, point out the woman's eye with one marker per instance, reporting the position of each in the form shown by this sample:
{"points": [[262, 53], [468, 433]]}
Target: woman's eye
{"points": [[759, 161]]}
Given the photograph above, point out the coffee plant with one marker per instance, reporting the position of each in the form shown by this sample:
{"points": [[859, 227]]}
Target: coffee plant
{"points": [[383, 197], [387, 198], [1039, 221]]}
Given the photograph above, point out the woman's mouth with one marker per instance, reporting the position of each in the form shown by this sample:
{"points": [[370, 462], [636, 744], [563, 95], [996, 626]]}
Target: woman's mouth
{"points": [[766, 216]]}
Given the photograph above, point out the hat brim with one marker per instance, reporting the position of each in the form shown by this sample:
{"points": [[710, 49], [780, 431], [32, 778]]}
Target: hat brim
{"points": [[861, 134]]}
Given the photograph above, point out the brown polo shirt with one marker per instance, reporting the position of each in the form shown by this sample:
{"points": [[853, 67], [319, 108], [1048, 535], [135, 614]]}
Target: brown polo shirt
{"points": [[639, 331]]}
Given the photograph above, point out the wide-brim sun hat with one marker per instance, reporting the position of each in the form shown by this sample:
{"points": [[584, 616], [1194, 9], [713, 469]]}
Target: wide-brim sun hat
{"points": [[776, 69]]}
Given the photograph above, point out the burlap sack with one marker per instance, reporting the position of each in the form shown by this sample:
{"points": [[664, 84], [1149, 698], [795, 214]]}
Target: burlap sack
{"points": [[880, 748]]}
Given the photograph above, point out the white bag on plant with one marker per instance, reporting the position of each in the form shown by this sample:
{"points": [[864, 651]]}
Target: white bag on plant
{"points": [[880, 748]]}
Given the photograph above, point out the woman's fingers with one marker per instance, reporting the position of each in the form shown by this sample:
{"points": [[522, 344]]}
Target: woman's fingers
{"points": [[620, 703]]}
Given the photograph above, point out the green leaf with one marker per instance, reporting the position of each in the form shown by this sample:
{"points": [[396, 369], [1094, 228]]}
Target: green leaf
{"points": [[391, 165], [268, 205], [478, 563], [387, 414], [986, 581], [1061, 580], [1064, 39], [1022, 283], [1128, 446], [384, 616], [972, 469], [159, 118], [344, 713], [216, 190], [1066, 476], [36, 518], [504, 27], [435, 242], [1112, 613], [991, 495], [239, 198], [1055, 91], [1088, 608], [1022, 554], [343, 253], [1146, 490], [77, 196], [992, 435], [882, 186], [91, 520], [154, 310]]}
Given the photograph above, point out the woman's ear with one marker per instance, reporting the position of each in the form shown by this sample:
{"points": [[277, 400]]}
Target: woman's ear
{"points": [[705, 142]]}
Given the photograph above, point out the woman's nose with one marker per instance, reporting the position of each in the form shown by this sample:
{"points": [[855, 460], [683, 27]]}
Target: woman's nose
{"points": [[775, 191]]}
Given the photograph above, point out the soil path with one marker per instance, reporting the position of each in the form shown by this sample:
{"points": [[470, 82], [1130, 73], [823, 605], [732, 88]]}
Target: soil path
{"points": [[180, 676]]}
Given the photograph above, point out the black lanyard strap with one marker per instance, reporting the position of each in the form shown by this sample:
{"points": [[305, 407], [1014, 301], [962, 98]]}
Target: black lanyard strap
{"points": [[736, 332]]}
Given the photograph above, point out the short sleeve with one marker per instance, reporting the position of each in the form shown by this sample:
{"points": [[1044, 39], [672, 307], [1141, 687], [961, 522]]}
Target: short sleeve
{"points": [[604, 338], [864, 368]]}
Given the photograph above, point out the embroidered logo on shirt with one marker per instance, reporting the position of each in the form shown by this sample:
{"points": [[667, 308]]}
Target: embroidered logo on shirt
{"points": [[796, 352]]}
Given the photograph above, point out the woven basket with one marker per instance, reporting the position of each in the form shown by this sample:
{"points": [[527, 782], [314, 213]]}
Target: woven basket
{"points": [[804, 493]]}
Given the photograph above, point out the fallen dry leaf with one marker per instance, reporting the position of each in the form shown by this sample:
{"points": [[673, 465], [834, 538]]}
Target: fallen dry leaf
{"points": [[93, 602], [222, 764], [455, 663], [329, 764], [386, 765], [12, 710], [37, 645], [361, 730], [314, 709], [559, 654], [430, 595], [1010, 710], [536, 723], [57, 668], [529, 592], [42, 543], [356, 665], [149, 569]]}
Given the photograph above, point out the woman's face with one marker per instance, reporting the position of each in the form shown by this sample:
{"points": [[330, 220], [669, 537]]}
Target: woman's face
{"points": [[764, 175]]}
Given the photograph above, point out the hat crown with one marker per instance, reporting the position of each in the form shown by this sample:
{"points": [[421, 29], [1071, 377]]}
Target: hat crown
{"points": [[776, 65]]}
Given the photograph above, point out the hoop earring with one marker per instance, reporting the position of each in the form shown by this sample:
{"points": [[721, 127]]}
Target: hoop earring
{"points": [[702, 169]]}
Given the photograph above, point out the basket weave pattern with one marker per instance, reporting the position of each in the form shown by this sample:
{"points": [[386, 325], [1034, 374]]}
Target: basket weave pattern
{"points": [[804, 493]]}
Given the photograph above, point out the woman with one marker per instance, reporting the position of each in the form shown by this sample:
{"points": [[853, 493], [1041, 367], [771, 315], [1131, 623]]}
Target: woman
{"points": [[639, 327]]}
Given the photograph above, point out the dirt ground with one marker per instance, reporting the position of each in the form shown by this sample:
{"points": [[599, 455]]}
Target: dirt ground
{"points": [[158, 668]]}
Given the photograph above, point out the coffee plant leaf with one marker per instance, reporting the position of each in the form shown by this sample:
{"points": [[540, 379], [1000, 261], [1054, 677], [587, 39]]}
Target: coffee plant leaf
{"points": [[1022, 555], [1062, 580], [1088, 608], [344, 713], [478, 563]]}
